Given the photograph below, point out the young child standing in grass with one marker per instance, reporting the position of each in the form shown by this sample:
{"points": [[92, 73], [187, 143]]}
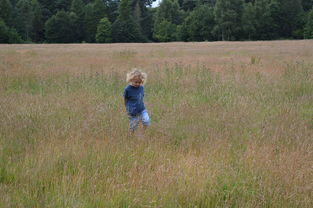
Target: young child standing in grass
{"points": [[133, 98]]}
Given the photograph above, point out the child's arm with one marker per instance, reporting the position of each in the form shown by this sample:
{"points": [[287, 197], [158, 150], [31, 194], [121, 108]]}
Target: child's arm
{"points": [[125, 96]]}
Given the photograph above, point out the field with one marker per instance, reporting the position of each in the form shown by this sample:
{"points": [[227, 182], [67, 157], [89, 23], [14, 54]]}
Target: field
{"points": [[232, 125]]}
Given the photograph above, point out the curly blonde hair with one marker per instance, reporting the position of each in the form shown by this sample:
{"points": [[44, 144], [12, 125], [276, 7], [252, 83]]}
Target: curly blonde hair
{"points": [[136, 73]]}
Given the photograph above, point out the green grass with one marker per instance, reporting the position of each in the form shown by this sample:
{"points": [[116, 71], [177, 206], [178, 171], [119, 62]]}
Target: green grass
{"points": [[216, 140]]}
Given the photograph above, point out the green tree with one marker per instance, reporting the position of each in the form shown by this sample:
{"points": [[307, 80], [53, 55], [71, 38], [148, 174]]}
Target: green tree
{"points": [[112, 8], [188, 4], [47, 8], [104, 31], [165, 31], [143, 17], [168, 15], [307, 4], [38, 25], [89, 30], [59, 5], [24, 18], [50, 8], [4, 32], [100, 10], [286, 15], [13, 2], [228, 19], [77, 7], [6, 11], [308, 30], [93, 13], [169, 10], [8, 35], [199, 24], [291, 15], [248, 21], [61, 28], [125, 28], [266, 27], [29, 20]]}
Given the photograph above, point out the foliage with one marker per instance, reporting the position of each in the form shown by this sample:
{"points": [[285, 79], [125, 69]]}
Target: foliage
{"points": [[164, 31], [190, 20], [168, 16], [125, 28], [61, 28], [6, 10], [228, 18], [94, 12], [199, 24], [24, 21], [225, 134], [8, 35], [308, 30], [104, 32], [38, 24], [249, 21], [289, 17], [77, 7]]}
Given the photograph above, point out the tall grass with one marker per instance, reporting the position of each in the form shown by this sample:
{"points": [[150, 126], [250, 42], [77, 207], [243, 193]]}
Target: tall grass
{"points": [[237, 137]]}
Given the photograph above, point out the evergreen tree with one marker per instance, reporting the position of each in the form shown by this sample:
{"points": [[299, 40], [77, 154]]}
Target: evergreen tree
{"points": [[291, 16], [286, 15], [99, 11], [188, 4], [77, 7], [104, 31], [59, 5], [24, 18], [93, 13], [61, 28], [38, 25], [248, 21], [168, 15], [228, 19], [164, 31], [136, 21], [199, 24], [112, 8], [308, 30], [46, 8], [307, 4], [169, 10], [8, 35], [265, 24], [125, 28], [89, 30], [4, 32], [143, 17], [13, 3], [6, 11]]}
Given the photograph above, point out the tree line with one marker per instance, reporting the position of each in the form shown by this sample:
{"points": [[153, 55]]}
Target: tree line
{"points": [[112, 21]]}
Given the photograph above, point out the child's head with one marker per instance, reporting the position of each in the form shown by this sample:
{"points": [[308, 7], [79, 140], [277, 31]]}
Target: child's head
{"points": [[136, 77]]}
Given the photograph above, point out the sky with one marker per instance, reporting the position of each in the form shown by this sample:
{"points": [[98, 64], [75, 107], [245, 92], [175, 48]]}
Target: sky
{"points": [[156, 3]]}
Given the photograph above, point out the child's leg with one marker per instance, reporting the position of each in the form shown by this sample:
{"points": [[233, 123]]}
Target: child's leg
{"points": [[145, 119], [133, 123]]}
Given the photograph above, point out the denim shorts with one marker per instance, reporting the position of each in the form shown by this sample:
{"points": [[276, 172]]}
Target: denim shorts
{"points": [[143, 117]]}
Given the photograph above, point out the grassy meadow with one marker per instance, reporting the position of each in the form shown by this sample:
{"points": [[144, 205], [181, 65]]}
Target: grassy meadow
{"points": [[232, 126]]}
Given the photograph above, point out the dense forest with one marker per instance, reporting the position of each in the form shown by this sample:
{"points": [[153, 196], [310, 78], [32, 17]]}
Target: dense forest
{"points": [[107, 21]]}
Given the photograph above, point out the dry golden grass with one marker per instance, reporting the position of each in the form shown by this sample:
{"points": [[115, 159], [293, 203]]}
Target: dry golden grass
{"points": [[232, 125]]}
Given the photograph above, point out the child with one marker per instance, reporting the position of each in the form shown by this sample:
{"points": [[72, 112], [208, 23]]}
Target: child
{"points": [[133, 98]]}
